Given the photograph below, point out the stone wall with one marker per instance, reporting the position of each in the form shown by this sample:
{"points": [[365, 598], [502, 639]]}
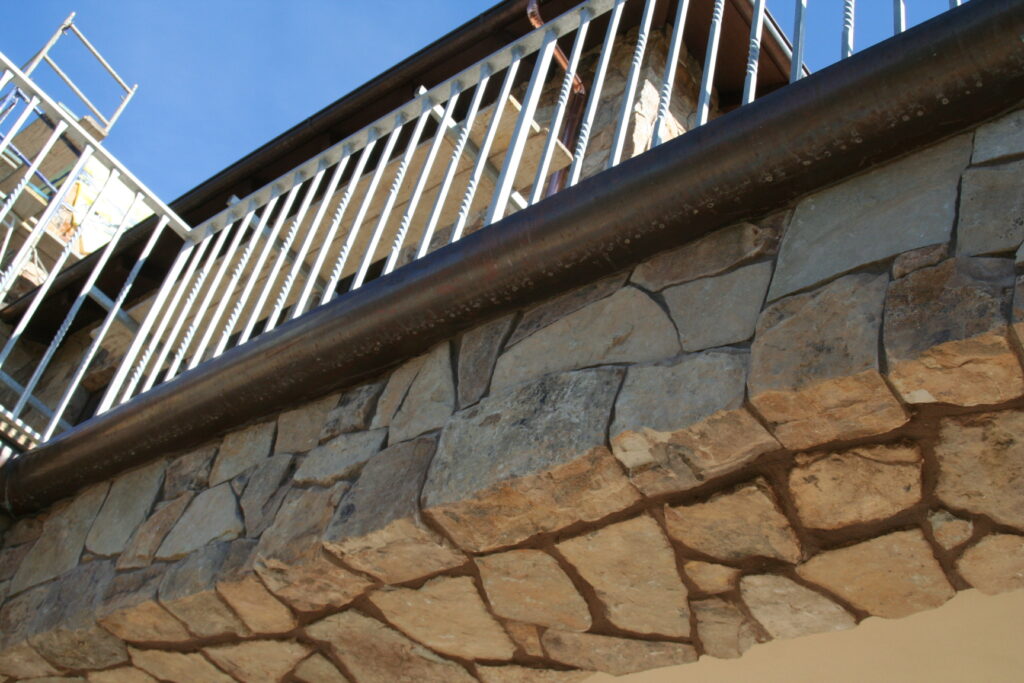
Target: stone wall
{"points": [[781, 429]]}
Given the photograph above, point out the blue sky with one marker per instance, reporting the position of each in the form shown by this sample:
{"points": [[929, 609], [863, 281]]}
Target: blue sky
{"points": [[218, 78]]}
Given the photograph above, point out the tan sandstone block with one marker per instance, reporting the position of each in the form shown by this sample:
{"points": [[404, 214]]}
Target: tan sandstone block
{"points": [[627, 327], [317, 669], [526, 636], [891, 576], [125, 674], [616, 656], [711, 578], [373, 652], [22, 661], [188, 591], [212, 516], [258, 661], [257, 607], [528, 461], [521, 674], [833, 490], [448, 616], [80, 647], [131, 612], [981, 465], [678, 424], [241, 450], [733, 526], [633, 569], [529, 586], [142, 547], [724, 630], [995, 564], [814, 371], [946, 334], [787, 610], [178, 667], [948, 529], [311, 585], [298, 430], [377, 527]]}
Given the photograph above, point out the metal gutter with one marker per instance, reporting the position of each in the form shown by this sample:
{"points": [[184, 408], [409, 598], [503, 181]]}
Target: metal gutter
{"points": [[935, 80]]}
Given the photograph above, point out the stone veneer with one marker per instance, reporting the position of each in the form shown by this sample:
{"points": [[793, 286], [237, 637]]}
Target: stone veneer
{"points": [[780, 429]]}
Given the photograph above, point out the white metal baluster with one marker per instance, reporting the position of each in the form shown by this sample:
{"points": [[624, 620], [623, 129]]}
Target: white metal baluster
{"points": [[114, 391], [453, 162], [69, 317], [626, 108], [339, 215], [848, 18], [563, 101], [396, 185], [669, 81], [254, 275], [44, 219], [710, 61], [13, 195], [5, 78], [328, 239], [953, 4], [520, 134], [754, 52], [101, 333], [796, 66], [899, 17], [300, 258], [225, 296], [428, 164], [211, 292], [576, 168], [18, 123]]}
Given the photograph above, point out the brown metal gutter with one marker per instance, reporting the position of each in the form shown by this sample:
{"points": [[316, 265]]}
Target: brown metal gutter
{"points": [[933, 81]]}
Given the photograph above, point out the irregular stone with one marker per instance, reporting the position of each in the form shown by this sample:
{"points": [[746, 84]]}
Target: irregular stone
{"points": [[264, 493], [991, 210], [339, 458], [313, 585], [544, 314], [946, 335], [720, 310], [299, 430], [317, 669], [21, 661], [212, 516], [833, 490], [395, 391], [916, 259], [354, 411], [373, 652], [1000, 138], [995, 564], [521, 674], [150, 534], [851, 224], [788, 610], [300, 522], [724, 630], [529, 586], [890, 576], [526, 636], [257, 607], [189, 472], [627, 327], [528, 461], [430, 400], [632, 568], [11, 558], [814, 371], [124, 674], [25, 530], [981, 465], [949, 530], [28, 613], [178, 667], [711, 578], [733, 526], [678, 424], [241, 450], [58, 548], [712, 254], [130, 610], [56, 679], [188, 592], [258, 661], [377, 527], [448, 616], [1017, 311], [616, 656], [130, 499], [478, 352], [85, 648]]}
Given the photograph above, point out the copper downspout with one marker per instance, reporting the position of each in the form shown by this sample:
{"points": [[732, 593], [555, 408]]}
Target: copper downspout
{"points": [[577, 102]]}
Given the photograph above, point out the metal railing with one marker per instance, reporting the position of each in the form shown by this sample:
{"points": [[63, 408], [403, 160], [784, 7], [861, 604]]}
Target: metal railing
{"points": [[458, 157]]}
